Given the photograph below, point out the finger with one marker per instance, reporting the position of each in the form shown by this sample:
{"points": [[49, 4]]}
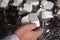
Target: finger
{"points": [[38, 32], [31, 27], [25, 28]]}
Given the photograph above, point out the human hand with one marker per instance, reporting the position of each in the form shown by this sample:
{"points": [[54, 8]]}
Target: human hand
{"points": [[26, 33]]}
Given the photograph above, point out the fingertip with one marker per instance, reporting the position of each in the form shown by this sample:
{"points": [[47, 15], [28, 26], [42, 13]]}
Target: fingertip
{"points": [[39, 31]]}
